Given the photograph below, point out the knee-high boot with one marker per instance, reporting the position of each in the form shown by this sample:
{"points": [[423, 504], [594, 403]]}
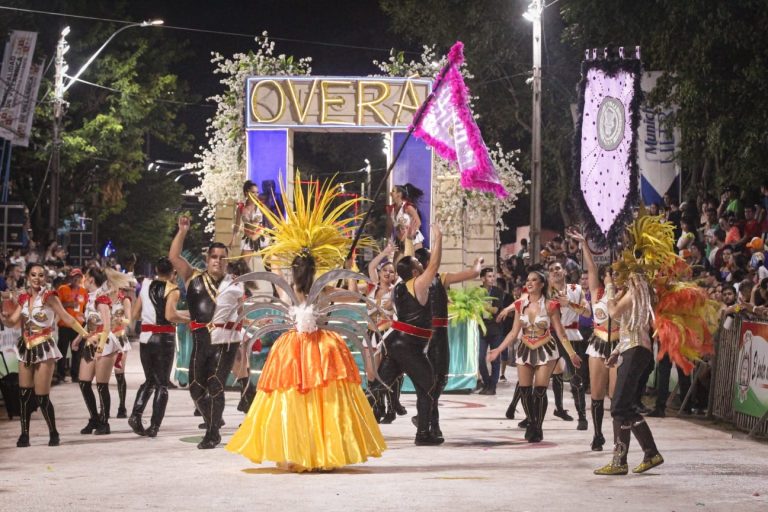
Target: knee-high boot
{"points": [[651, 455], [375, 396], [622, 435], [122, 388], [86, 388], [579, 401], [142, 398], [539, 410], [513, 404], [158, 410], [396, 405], [526, 398], [25, 405], [46, 408], [557, 390], [105, 402], [598, 410], [247, 393]]}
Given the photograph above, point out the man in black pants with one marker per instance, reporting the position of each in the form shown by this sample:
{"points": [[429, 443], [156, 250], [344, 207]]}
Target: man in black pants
{"points": [[210, 364], [404, 346], [438, 352], [156, 306]]}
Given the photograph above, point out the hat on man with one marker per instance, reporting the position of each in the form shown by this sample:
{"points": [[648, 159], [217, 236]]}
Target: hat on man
{"points": [[75, 272]]}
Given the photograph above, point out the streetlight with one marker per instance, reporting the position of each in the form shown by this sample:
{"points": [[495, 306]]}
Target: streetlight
{"points": [[60, 87], [533, 14]]}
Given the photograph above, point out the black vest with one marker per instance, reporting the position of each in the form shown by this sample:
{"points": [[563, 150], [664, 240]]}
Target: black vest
{"points": [[408, 309], [157, 297], [201, 297]]}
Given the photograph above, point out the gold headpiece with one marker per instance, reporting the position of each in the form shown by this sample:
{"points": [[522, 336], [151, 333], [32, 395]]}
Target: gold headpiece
{"points": [[314, 226], [649, 247]]}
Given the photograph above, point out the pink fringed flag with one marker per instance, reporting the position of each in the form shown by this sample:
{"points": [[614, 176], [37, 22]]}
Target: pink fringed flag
{"points": [[449, 127]]}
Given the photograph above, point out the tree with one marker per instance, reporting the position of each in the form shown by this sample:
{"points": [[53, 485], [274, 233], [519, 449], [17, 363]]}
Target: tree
{"points": [[107, 127], [497, 42], [715, 58]]}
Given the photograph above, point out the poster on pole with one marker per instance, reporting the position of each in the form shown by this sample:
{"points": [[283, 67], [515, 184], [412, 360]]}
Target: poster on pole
{"points": [[750, 394], [17, 60], [28, 103], [657, 145]]}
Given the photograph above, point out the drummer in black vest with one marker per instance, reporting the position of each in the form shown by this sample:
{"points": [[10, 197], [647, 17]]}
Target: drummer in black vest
{"points": [[439, 353], [209, 364], [156, 307], [406, 342]]}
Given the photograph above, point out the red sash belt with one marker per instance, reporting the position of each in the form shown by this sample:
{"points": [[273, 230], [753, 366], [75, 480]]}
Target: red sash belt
{"points": [[412, 330], [158, 329], [229, 326], [439, 322], [38, 337], [574, 325]]}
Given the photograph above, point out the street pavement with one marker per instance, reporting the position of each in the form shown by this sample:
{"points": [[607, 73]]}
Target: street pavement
{"points": [[485, 465]]}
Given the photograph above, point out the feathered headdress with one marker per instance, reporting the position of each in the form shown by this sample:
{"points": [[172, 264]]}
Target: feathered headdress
{"points": [[649, 247], [685, 318], [314, 226]]}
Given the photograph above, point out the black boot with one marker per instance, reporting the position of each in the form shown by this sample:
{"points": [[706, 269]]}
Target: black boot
{"points": [[651, 455], [512, 409], [86, 388], [396, 405], [105, 402], [142, 397], [598, 409], [526, 396], [389, 413], [212, 437], [622, 434], [374, 394], [539, 411], [580, 402], [158, 411], [424, 437], [121, 391], [25, 414], [46, 408], [557, 390], [247, 393]]}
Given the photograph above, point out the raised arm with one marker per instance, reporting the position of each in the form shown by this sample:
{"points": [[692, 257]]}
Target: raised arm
{"points": [[182, 266], [465, 275], [373, 273], [423, 282], [589, 262]]}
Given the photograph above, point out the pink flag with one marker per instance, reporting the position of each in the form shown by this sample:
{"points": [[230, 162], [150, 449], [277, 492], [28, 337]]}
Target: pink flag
{"points": [[448, 126]]}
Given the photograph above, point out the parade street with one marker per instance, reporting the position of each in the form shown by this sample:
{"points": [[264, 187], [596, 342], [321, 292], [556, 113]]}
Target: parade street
{"points": [[484, 465]]}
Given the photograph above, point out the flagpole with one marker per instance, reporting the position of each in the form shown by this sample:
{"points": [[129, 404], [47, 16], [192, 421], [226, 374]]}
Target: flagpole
{"points": [[382, 184]]}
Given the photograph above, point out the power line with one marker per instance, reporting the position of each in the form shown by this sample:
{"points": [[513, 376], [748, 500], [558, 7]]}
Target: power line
{"points": [[207, 31]]}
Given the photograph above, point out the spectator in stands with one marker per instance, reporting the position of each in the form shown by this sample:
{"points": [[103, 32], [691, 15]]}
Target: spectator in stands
{"points": [[733, 232], [716, 253], [523, 248], [751, 227], [687, 234], [730, 202]]}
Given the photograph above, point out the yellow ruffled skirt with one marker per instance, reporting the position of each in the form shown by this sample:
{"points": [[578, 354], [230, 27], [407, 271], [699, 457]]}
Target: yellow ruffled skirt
{"points": [[310, 410]]}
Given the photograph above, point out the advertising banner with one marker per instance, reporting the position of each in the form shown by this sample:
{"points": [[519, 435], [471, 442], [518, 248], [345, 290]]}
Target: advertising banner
{"points": [[751, 384], [28, 102], [17, 60]]}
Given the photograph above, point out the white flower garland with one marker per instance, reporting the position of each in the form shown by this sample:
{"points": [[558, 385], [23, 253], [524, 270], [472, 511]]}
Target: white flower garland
{"points": [[455, 206], [220, 164]]}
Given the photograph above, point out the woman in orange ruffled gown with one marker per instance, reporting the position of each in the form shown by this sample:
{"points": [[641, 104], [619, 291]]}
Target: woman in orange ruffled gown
{"points": [[310, 412]]}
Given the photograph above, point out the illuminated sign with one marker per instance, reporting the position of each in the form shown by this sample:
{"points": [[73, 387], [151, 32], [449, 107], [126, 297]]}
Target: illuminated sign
{"points": [[332, 103]]}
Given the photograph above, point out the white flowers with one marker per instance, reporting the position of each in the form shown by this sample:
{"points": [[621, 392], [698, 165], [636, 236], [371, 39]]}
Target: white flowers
{"points": [[221, 164], [304, 316], [455, 206]]}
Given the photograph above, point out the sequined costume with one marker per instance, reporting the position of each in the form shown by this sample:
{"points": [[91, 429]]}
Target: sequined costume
{"points": [[537, 346], [601, 343], [252, 220], [38, 323]]}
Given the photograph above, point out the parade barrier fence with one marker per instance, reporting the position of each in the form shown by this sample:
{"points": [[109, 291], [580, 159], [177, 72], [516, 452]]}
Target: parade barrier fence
{"points": [[739, 383]]}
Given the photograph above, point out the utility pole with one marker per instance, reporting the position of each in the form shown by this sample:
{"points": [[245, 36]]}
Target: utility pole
{"points": [[534, 247], [58, 115]]}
